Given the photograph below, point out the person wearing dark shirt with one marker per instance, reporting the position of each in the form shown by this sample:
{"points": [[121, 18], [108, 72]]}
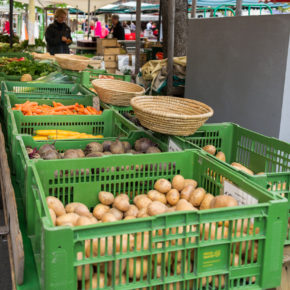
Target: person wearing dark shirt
{"points": [[58, 34], [117, 29]]}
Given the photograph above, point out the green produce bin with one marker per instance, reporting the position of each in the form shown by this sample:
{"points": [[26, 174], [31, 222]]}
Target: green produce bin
{"points": [[278, 183], [16, 54], [253, 150], [77, 75], [173, 249], [23, 163]]}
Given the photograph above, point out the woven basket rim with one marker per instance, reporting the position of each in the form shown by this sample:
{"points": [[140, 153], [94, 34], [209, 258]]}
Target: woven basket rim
{"points": [[134, 103], [71, 57], [116, 81]]}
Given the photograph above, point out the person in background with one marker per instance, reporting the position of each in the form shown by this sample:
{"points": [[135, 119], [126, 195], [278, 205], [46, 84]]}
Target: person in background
{"points": [[58, 34], [117, 29], [98, 28], [132, 27], [149, 25], [105, 31], [7, 27], [85, 25], [92, 26]]}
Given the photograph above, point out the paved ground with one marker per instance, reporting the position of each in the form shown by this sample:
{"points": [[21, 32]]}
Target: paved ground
{"points": [[5, 276]]}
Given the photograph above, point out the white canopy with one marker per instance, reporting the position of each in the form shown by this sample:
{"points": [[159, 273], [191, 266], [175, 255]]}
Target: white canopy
{"points": [[80, 4]]}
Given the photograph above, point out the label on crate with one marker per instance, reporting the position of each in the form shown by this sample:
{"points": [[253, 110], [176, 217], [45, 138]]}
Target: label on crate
{"points": [[241, 196], [172, 146]]}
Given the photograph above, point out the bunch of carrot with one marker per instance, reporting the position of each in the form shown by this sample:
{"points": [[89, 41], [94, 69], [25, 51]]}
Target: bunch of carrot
{"points": [[33, 109], [62, 134]]}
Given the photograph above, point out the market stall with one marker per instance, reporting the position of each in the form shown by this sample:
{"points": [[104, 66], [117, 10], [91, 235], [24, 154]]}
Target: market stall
{"points": [[110, 181]]}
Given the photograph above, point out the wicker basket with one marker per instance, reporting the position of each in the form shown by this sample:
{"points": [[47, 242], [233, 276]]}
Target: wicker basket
{"points": [[72, 62], [170, 115], [42, 56], [116, 92]]}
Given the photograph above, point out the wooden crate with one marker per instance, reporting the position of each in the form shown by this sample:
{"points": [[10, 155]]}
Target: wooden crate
{"points": [[111, 64], [111, 70], [110, 58], [111, 50], [105, 42]]}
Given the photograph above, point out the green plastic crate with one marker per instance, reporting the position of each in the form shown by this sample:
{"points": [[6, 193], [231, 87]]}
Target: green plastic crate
{"points": [[164, 239], [88, 76], [278, 183], [255, 151], [16, 54], [23, 163], [77, 75], [119, 109]]}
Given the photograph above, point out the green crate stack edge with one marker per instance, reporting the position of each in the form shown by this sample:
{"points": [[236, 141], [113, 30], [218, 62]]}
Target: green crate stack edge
{"points": [[86, 81], [23, 164], [255, 151], [165, 239]]}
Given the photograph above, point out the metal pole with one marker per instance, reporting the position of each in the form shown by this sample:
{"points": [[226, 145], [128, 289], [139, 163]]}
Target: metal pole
{"points": [[239, 5], [138, 31], [89, 10], [159, 20], [193, 9], [77, 7], [170, 49], [11, 22]]}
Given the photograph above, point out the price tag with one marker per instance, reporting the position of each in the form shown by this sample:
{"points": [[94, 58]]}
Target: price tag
{"points": [[172, 146], [242, 197]]}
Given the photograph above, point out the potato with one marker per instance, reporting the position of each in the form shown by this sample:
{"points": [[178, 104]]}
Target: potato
{"points": [[260, 173], [178, 182], [157, 272], [98, 281], [204, 281], [159, 257], [156, 207], [142, 201], [223, 201], [237, 224], [219, 281], [83, 221], [108, 217], [125, 196], [78, 208], [129, 217], [67, 218], [187, 191], [253, 251], [208, 227], [184, 205], [221, 156], [179, 268], [52, 215], [132, 211], [162, 185], [85, 268], [100, 210], [234, 260], [106, 198], [155, 195], [123, 280], [209, 149], [197, 196], [172, 196], [222, 234], [121, 203], [205, 204], [171, 209], [190, 182], [55, 204], [143, 212], [142, 241], [119, 266], [117, 213], [99, 245], [241, 167], [93, 220], [135, 266]]}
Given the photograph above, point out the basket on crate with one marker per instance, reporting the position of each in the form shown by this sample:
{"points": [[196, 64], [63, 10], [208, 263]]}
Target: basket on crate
{"points": [[171, 115], [43, 56], [116, 92], [72, 62]]}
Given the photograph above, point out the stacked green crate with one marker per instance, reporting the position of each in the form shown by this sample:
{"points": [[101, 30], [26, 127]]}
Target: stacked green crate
{"points": [[176, 242]]}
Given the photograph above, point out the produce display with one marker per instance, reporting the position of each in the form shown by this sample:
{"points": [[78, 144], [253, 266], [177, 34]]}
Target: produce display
{"points": [[105, 77], [33, 109], [166, 197], [211, 149], [21, 66], [61, 134], [93, 149]]}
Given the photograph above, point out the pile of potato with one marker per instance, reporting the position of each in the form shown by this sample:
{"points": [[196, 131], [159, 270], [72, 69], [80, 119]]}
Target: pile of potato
{"points": [[211, 149], [179, 195]]}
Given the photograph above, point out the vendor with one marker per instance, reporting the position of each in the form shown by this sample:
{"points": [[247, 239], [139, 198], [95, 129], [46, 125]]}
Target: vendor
{"points": [[58, 34], [117, 29]]}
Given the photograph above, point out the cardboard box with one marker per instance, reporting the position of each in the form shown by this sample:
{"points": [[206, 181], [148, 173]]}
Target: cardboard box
{"points": [[110, 58], [111, 64], [106, 42], [111, 50]]}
